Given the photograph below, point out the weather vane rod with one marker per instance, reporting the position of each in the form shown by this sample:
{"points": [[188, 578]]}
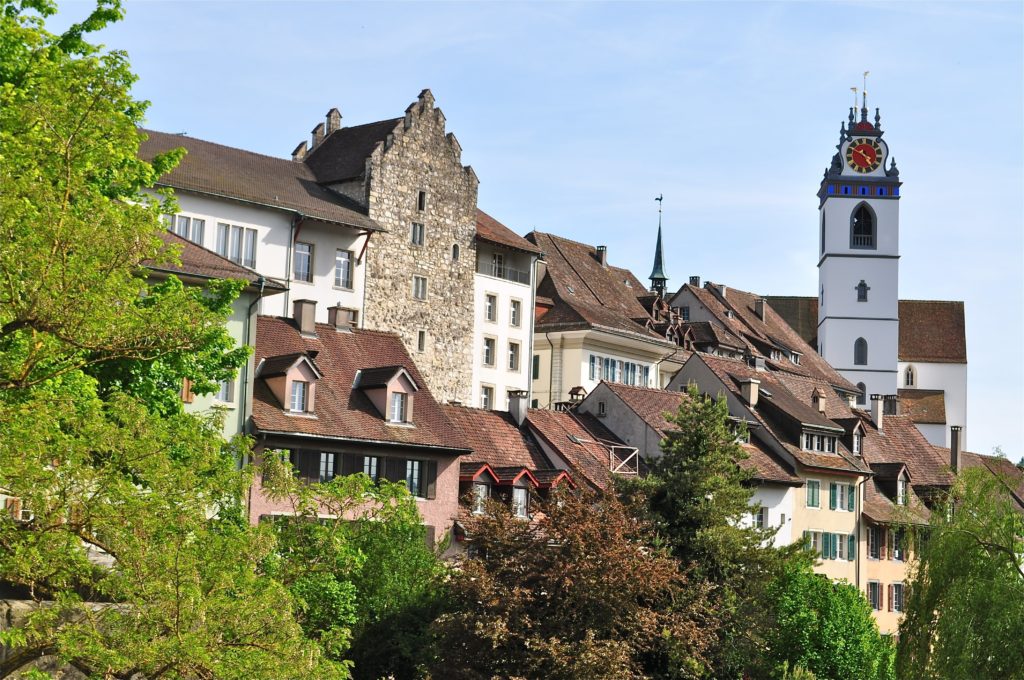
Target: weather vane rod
{"points": [[865, 90], [659, 199]]}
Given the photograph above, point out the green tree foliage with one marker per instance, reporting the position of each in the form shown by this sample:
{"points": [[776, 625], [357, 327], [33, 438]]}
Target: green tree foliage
{"points": [[580, 592], [824, 627], [367, 586], [965, 607], [700, 498]]}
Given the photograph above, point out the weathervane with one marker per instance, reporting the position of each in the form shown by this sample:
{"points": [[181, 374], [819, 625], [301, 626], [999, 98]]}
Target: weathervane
{"points": [[659, 199], [865, 90]]}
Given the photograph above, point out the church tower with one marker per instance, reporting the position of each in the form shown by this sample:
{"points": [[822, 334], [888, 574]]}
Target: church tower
{"points": [[659, 280], [858, 267]]}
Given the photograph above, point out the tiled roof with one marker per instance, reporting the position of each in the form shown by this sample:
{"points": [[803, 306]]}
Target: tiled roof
{"points": [[578, 439], [649, 404], [1011, 475], [342, 154], [200, 262], [708, 332], [271, 367], [224, 171], [879, 508], [341, 411], [925, 407], [379, 377], [587, 295], [495, 438], [901, 442], [491, 230], [766, 466], [930, 330]]}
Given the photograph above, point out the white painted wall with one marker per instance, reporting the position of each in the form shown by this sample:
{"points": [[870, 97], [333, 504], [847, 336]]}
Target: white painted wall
{"points": [[779, 500], [952, 379]]}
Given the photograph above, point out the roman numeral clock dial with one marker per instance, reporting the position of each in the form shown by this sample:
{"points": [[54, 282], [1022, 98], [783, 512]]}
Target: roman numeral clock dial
{"points": [[863, 155]]}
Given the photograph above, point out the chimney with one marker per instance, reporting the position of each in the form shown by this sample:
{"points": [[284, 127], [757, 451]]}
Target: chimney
{"points": [[299, 154], [751, 390], [602, 255], [341, 318], [759, 308], [695, 281], [876, 410], [818, 400], [517, 405], [954, 447], [333, 120], [318, 136], [304, 313], [718, 288]]}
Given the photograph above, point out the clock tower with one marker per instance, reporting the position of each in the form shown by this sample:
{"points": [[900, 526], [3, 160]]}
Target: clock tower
{"points": [[858, 266]]}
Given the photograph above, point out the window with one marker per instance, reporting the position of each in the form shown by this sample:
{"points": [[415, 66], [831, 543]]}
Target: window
{"points": [[421, 201], [602, 409], [841, 497], [841, 546], [343, 268], [896, 597], [488, 351], [486, 397], [813, 539], [813, 489], [898, 549], [822, 239], [398, 407], [908, 377], [685, 313], [860, 352], [455, 252], [874, 542], [481, 492], [856, 443], [490, 307], [417, 234], [413, 477], [761, 518], [520, 501], [326, 466], [515, 313], [901, 491], [875, 594], [862, 291], [299, 396], [191, 228], [513, 356], [498, 265], [419, 287], [304, 262], [862, 398], [370, 466], [238, 244], [595, 367], [226, 391], [536, 367], [421, 341], [862, 227]]}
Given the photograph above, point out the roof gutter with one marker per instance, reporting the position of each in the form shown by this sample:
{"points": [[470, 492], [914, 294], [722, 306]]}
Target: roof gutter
{"points": [[461, 451]]}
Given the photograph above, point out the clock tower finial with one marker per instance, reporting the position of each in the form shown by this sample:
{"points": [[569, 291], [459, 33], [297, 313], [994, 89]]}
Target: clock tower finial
{"points": [[658, 277]]}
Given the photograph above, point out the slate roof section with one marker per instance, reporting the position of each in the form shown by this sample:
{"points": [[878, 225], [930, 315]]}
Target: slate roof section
{"points": [[587, 295], [196, 261], [931, 331], [495, 438], [491, 230], [925, 407], [223, 171], [342, 154], [342, 412], [579, 439]]}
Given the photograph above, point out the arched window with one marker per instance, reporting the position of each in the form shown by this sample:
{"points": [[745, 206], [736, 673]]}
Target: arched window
{"points": [[860, 352], [862, 227], [862, 398], [909, 377], [455, 253], [862, 291]]}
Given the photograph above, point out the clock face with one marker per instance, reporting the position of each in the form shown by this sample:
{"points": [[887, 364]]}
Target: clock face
{"points": [[864, 155]]}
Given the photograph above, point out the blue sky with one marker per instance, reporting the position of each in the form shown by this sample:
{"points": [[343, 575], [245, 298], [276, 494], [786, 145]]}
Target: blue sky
{"points": [[576, 115]]}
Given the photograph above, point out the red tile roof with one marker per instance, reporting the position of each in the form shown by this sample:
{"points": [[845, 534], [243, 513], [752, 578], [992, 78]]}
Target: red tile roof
{"points": [[196, 261], [879, 508], [223, 171], [1011, 475], [582, 441], [925, 407], [491, 230], [901, 442], [341, 411], [495, 438]]}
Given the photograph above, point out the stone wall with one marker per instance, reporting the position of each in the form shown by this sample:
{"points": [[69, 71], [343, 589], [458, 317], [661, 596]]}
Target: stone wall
{"points": [[420, 156]]}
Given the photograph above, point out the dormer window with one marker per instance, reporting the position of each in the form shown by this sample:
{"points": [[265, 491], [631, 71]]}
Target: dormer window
{"points": [[901, 491], [300, 396], [481, 492], [856, 443], [292, 379], [520, 502], [398, 410], [391, 389]]}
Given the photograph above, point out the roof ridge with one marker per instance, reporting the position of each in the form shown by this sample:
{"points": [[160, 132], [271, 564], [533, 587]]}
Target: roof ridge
{"points": [[222, 146], [349, 127], [562, 238]]}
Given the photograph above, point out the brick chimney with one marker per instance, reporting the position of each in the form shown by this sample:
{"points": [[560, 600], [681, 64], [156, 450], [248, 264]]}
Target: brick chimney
{"points": [[318, 136], [517, 405], [750, 388], [299, 154], [304, 313], [695, 281], [342, 318], [876, 410], [954, 447], [602, 255], [333, 120]]}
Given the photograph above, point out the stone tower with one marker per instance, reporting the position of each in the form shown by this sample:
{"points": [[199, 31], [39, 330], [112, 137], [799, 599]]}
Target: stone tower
{"points": [[858, 267]]}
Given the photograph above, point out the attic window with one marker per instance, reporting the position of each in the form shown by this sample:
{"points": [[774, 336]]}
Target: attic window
{"points": [[901, 491], [572, 291], [728, 313], [627, 283], [299, 396], [575, 440], [398, 410], [602, 409], [795, 358]]}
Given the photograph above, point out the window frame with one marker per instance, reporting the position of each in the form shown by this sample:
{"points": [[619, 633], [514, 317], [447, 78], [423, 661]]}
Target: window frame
{"points": [[514, 356], [487, 397], [817, 494], [339, 279], [419, 287], [307, 258], [418, 234], [490, 307], [300, 394], [398, 408], [490, 350], [226, 392], [515, 313]]}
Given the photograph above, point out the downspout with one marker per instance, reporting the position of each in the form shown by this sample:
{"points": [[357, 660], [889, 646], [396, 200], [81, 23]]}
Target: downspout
{"points": [[243, 404], [533, 315], [858, 526], [659, 362], [551, 366], [288, 262]]}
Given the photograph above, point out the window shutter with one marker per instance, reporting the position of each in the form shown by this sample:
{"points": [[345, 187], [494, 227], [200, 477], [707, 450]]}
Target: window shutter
{"points": [[807, 538], [889, 591], [826, 545], [851, 542], [186, 391], [850, 500], [349, 464], [835, 546], [430, 479], [883, 539], [394, 469], [429, 533], [832, 496]]}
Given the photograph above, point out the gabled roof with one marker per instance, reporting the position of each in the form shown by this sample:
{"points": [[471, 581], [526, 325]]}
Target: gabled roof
{"points": [[931, 331], [925, 407], [708, 332], [901, 442], [196, 261], [475, 470], [274, 366], [226, 172], [370, 378], [491, 230], [879, 508], [495, 438], [342, 412], [342, 154], [587, 295], [581, 440]]}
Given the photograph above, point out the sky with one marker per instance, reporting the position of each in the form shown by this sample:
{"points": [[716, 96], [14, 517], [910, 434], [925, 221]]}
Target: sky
{"points": [[576, 115]]}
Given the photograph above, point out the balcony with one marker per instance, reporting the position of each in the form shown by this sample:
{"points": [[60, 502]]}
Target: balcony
{"points": [[863, 241], [503, 272]]}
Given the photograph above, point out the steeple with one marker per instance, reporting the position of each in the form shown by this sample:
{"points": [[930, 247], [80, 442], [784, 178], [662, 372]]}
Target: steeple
{"points": [[658, 277]]}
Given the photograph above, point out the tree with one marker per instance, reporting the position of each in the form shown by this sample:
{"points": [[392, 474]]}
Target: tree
{"points": [[824, 627], [700, 499], [581, 591], [965, 608]]}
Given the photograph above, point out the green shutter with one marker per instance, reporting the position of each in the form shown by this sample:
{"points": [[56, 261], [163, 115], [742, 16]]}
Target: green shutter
{"points": [[832, 496], [807, 538], [835, 546], [850, 498], [851, 541], [826, 545]]}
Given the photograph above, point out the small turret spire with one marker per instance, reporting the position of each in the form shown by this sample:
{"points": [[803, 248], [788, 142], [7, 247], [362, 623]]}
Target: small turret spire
{"points": [[864, 94], [658, 277]]}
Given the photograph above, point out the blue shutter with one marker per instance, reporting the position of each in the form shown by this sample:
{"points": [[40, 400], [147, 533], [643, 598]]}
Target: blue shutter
{"points": [[835, 546], [832, 496], [850, 498], [826, 545], [851, 542]]}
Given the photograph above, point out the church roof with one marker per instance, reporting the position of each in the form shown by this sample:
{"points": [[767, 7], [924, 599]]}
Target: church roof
{"points": [[925, 407], [658, 273], [931, 331]]}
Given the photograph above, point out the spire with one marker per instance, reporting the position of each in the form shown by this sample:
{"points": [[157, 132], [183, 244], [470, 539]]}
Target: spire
{"points": [[658, 277]]}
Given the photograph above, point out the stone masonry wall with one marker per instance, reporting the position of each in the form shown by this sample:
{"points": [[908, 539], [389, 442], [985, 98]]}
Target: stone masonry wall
{"points": [[420, 156]]}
